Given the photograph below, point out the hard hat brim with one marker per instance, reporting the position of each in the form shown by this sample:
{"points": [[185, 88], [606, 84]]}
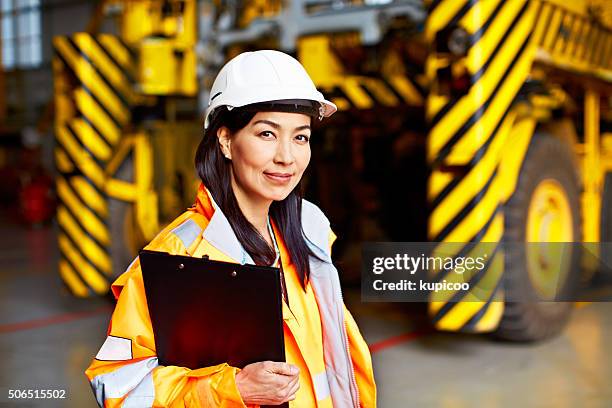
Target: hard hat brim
{"points": [[249, 96]]}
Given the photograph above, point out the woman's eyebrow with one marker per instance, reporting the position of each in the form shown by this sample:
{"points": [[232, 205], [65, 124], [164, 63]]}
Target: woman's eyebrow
{"points": [[268, 122], [277, 126]]}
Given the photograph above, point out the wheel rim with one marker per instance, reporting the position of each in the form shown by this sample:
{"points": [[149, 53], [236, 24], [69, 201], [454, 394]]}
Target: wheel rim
{"points": [[549, 220]]}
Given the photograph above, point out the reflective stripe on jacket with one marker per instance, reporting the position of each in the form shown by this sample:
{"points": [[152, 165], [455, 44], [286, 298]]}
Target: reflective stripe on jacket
{"points": [[126, 373]]}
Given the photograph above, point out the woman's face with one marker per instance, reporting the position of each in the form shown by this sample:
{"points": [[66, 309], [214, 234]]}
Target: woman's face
{"points": [[269, 155]]}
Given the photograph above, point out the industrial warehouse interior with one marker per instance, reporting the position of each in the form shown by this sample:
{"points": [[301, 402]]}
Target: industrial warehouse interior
{"points": [[456, 197]]}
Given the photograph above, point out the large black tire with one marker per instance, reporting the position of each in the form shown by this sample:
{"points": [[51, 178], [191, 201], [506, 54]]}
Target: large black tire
{"points": [[547, 158]]}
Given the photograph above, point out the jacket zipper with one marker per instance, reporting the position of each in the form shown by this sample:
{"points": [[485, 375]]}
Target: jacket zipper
{"points": [[348, 353]]}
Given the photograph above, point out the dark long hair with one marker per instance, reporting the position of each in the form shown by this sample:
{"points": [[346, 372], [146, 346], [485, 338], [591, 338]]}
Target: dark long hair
{"points": [[215, 172]]}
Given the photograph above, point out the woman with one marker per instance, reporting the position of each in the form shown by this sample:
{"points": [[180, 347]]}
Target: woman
{"points": [[249, 210]]}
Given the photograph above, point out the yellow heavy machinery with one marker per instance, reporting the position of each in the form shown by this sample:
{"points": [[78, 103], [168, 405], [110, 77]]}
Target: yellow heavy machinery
{"points": [[459, 121]]}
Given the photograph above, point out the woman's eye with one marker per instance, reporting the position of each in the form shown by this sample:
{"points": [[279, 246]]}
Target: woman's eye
{"points": [[266, 134], [303, 138]]}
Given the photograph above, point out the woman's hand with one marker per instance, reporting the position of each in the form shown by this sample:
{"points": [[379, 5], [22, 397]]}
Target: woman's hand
{"points": [[268, 383]]}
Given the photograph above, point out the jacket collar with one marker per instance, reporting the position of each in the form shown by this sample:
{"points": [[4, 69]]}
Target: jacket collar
{"points": [[220, 234]]}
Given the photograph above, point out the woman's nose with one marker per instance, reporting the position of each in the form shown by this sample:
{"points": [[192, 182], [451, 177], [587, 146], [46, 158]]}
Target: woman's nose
{"points": [[284, 152]]}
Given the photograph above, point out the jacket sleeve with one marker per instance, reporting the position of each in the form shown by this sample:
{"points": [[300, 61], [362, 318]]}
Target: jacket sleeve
{"points": [[126, 373]]}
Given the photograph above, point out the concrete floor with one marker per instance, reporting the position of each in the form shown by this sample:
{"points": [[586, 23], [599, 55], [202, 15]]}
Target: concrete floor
{"points": [[47, 338]]}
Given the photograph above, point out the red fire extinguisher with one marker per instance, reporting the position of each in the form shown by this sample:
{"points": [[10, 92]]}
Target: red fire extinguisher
{"points": [[36, 200]]}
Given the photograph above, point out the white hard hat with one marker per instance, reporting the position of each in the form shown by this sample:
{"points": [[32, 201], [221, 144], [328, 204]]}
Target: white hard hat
{"points": [[263, 76]]}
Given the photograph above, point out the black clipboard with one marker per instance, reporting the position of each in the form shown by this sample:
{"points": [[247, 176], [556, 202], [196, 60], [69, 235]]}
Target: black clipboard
{"points": [[207, 312]]}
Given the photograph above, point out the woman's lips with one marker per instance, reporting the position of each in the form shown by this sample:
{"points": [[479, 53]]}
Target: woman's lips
{"points": [[279, 178]]}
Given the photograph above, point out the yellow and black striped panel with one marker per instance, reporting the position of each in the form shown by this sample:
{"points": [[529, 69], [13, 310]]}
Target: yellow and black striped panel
{"points": [[103, 94], [94, 101], [83, 237], [361, 92], [467, 134], [573, 41]]}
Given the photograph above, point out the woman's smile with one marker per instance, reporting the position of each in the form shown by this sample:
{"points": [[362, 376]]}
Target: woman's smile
{"points": [[279, 178]]}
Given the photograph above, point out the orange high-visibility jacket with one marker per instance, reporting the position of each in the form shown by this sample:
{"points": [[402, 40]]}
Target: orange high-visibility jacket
{"points": [[321, 337]]}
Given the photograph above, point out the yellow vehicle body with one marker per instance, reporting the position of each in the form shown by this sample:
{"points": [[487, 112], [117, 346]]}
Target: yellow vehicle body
{"points": [[496, 75]]}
